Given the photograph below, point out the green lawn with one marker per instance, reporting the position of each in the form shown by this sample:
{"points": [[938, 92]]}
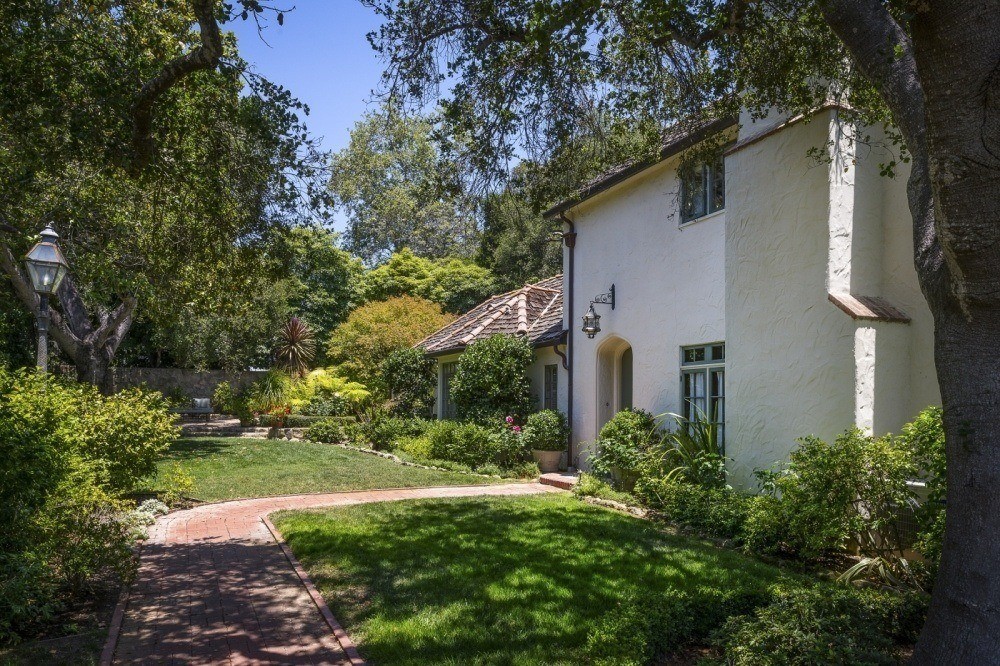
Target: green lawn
{"points": [[231, 468], [493, 580]]}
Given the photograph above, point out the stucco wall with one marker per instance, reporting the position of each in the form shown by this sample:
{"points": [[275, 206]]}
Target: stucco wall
{"points": [[790, 357], [191, 383], [670, 284]]}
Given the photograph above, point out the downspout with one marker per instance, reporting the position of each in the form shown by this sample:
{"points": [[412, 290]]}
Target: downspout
{"points": [[569, 238]]}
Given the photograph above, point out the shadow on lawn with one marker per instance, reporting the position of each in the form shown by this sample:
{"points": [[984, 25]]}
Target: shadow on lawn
{"points": [[469, 581], [191, 448]]}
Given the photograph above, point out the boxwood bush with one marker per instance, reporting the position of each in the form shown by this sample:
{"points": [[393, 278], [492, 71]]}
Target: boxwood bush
{"points": [[546, 430]]}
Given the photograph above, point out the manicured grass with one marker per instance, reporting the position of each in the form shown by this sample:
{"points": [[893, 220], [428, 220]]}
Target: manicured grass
{"points": [[515, 580], [231, 468]]}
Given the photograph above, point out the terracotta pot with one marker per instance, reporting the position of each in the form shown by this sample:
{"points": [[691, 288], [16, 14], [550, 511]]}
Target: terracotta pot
{"points": [[548, 461]]}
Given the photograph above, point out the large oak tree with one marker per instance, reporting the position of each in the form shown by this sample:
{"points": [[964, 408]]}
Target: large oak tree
{"points": [[128, 124], [930, 68]]}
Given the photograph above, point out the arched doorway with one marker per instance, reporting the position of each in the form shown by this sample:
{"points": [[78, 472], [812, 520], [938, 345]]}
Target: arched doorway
{"points": [[614, 378]]}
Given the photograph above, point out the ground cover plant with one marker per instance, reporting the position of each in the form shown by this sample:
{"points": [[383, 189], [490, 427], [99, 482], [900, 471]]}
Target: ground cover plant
{"points": [[497, 580], [229, 468]]}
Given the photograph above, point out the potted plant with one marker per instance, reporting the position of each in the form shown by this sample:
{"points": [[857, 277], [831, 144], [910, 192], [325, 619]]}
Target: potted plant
{"points": [[546, 433], [626, 445]]}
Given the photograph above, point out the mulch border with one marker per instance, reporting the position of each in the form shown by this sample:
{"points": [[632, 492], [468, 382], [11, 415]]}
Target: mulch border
{"points": [[350, 649]]}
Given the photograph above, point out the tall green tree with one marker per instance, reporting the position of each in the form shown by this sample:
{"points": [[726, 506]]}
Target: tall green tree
{"points": [[457, 285], [399, 188], [930, 69], [125, 123]]}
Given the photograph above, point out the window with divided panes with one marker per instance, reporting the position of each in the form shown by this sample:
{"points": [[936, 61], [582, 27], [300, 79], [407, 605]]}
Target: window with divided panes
{"points": [[550, 396], [703, 384]]}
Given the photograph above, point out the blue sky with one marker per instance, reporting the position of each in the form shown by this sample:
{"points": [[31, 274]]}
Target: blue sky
{"points": [[322, 56]]}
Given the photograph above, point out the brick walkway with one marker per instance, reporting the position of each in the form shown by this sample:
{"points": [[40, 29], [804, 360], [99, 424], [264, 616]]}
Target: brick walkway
{"points": [[214, 588]]}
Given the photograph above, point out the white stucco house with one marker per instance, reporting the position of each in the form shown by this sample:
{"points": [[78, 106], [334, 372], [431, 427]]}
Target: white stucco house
{"points": [[769, 288], [536, 312], [765, 287]]}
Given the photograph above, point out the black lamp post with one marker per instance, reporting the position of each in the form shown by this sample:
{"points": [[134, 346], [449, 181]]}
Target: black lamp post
{"points": [[47, 267], [592, 320]]}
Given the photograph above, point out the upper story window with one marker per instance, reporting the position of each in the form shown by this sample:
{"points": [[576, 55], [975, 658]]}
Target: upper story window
{"points": [[703, 189]]}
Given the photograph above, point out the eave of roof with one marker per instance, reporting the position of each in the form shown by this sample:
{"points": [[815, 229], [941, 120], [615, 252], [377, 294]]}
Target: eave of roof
{"points": [[623, 172]]}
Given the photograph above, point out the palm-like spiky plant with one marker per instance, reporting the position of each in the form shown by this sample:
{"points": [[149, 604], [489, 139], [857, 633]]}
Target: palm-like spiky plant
{"points": [[296, 347]]}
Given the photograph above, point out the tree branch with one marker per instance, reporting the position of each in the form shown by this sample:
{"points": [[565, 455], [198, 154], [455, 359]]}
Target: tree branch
{"points": [[206, 56], [109, 330]]}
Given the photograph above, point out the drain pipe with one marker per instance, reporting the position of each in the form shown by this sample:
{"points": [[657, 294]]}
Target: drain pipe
{"points": [[569, 238]]}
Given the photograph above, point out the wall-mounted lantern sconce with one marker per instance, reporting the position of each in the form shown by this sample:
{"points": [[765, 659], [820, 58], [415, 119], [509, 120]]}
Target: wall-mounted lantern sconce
{"points": [[592, 320]]}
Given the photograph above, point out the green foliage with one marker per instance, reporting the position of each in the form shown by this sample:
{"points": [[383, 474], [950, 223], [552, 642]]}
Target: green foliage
{"points": [[383, 432], [268, 392], [589, 485], [823, 625], [224, 398], [456, 284], [627, 445], [324, 393], [375, 330], [176, 484], [715, 511], [399, 190], [925, 439], [69, 453], [692, 447], [491, 381], [323, 280], [410, 378], [330, 430], [516, 243], [127, 431], [648, 629], [851, 489], [231, 164], [546, 430], [474, 445]]}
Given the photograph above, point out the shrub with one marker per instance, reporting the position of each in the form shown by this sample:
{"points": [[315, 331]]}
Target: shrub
{"points": [[491, 380], [373, 331], [589, 485], [68, 453], [648, 628], [851, 489], [821, 625], [417, 447], [224, 399], [546, 430], [410, 378], [324, 393], [473, 445], [127, 431], [764, 530], [330, 430], [177, 485], [718, 512], [627, 446], [924, 437]]}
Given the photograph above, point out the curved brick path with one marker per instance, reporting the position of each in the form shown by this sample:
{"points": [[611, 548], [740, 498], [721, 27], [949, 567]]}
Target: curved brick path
{"points": [[213, 587]]}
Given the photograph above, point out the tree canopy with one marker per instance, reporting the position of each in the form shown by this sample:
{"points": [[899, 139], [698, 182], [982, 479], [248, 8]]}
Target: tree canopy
{"points": [[399, 189], [457, 285]]}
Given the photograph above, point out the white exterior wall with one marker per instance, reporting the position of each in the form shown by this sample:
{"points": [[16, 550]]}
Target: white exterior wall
{"points": [[797, 230], [670, 291]]}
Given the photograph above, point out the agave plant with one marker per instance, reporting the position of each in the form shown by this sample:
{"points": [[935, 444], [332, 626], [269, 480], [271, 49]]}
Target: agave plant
{"points": [[296, 347]]}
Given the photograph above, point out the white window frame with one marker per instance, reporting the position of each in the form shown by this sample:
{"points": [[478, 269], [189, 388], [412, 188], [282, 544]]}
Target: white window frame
{"points": [[706, 367]]}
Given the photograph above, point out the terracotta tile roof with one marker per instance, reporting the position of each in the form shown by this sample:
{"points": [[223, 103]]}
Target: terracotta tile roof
{"points": [[873, 308], [534, 310], [676, 138]]}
